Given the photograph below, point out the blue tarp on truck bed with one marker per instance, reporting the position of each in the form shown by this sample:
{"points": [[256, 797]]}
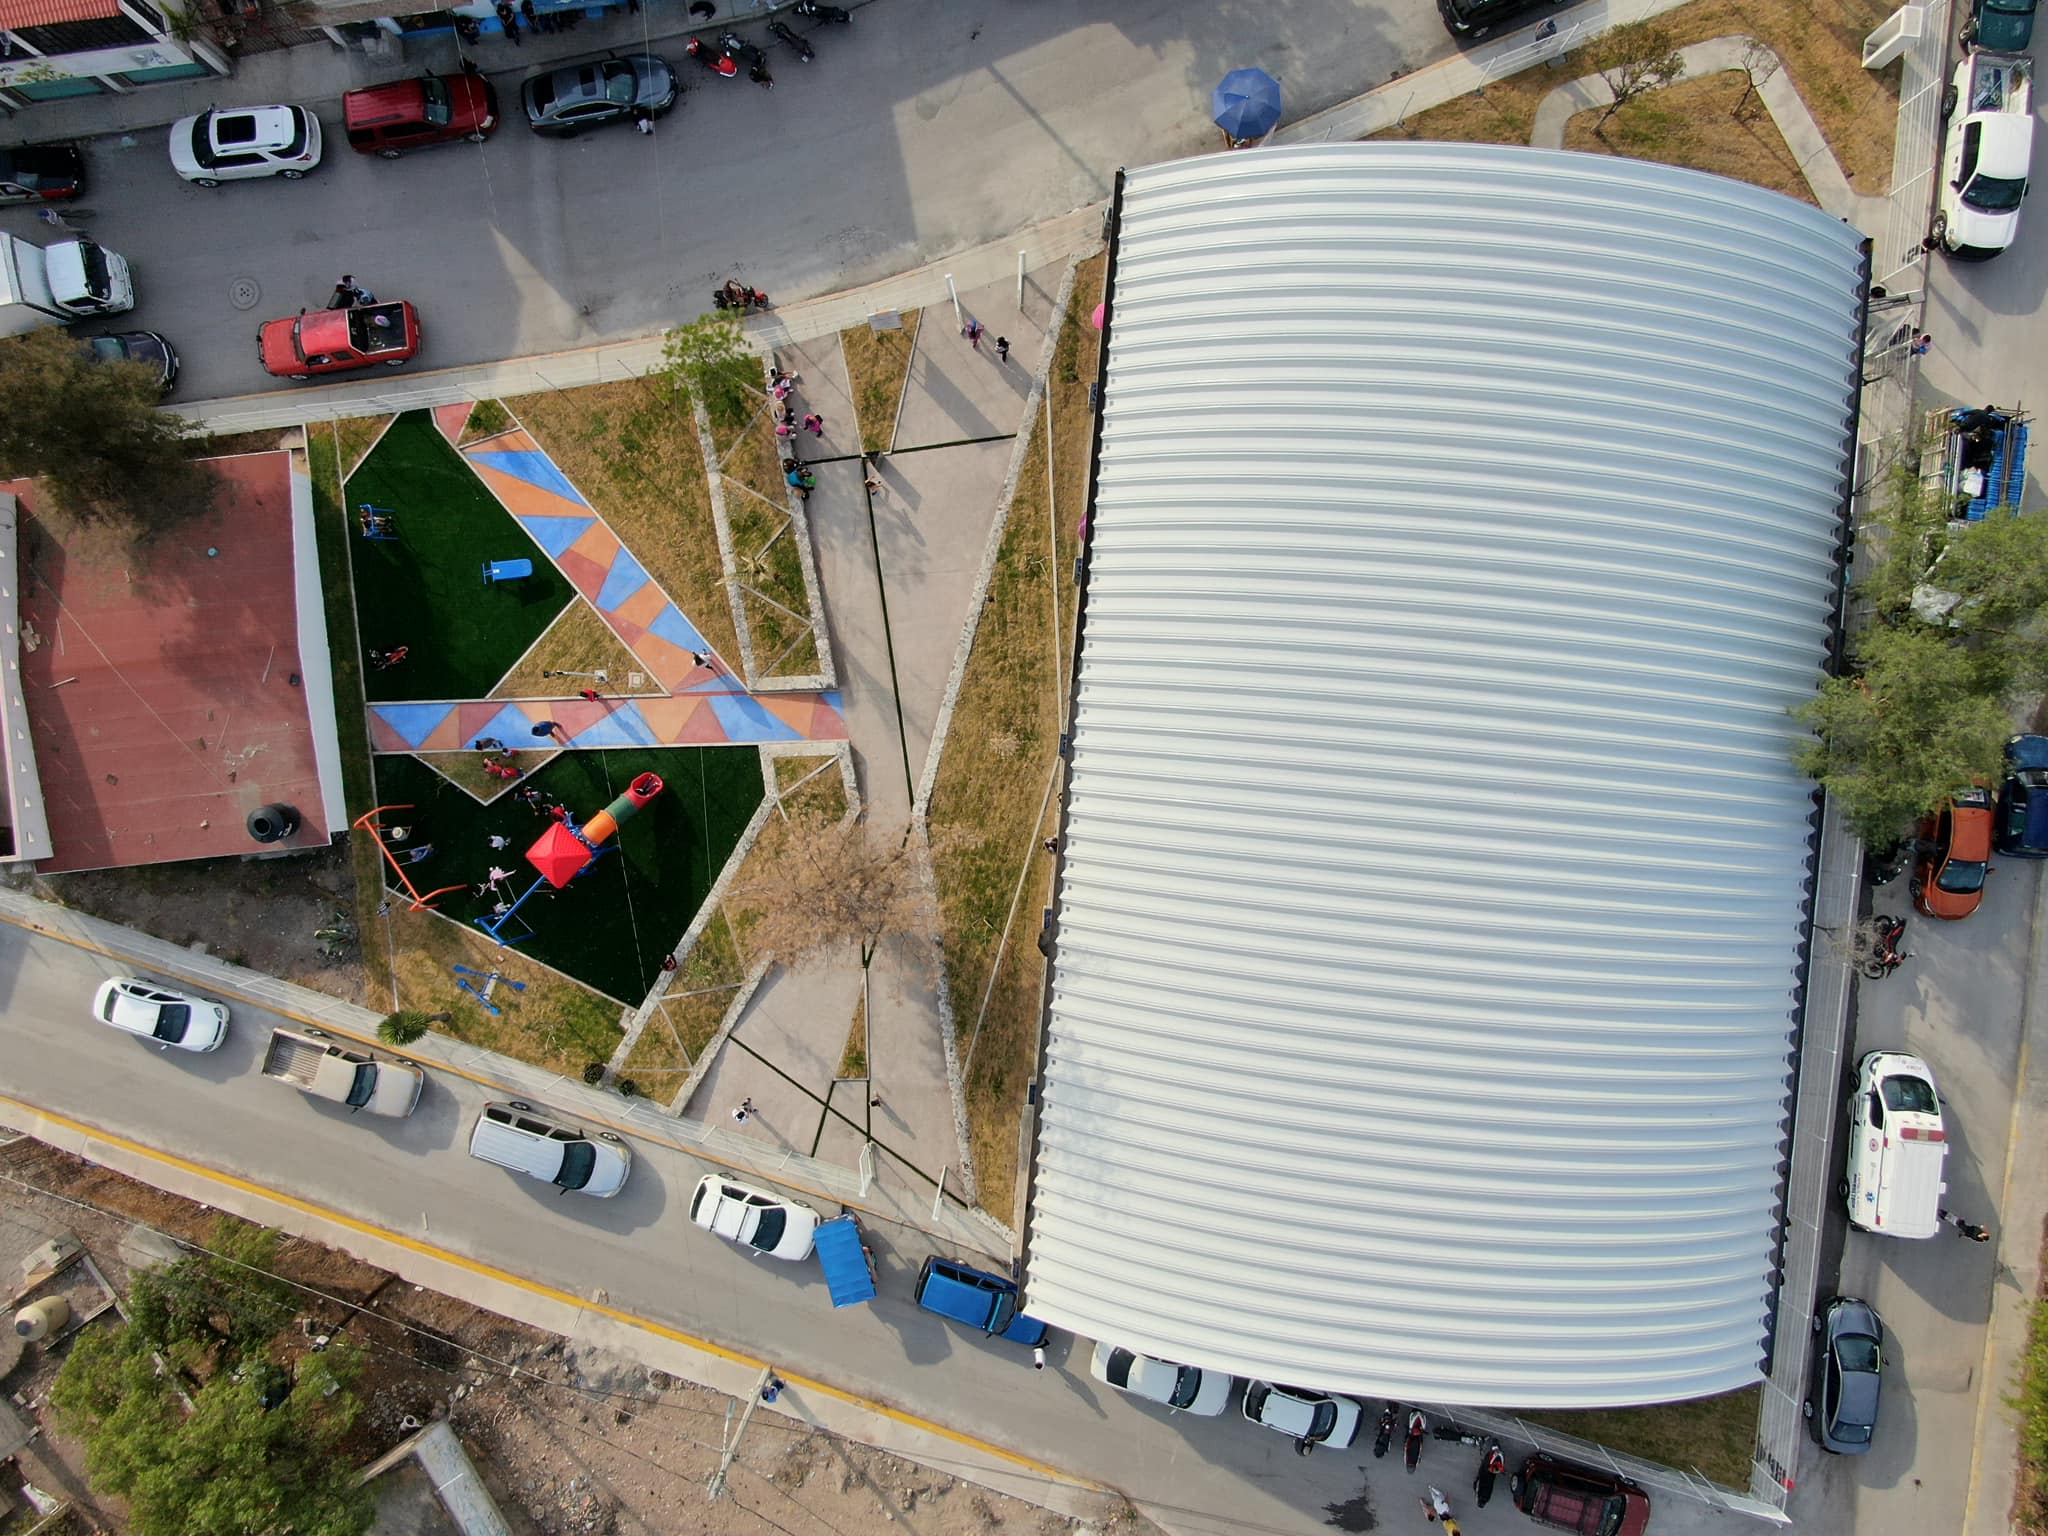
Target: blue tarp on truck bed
{"points": [[848, 1272]]}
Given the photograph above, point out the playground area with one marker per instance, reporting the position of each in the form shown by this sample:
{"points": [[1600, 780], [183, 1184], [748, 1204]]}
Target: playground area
{"points": [[611, 926], [419, 559]]}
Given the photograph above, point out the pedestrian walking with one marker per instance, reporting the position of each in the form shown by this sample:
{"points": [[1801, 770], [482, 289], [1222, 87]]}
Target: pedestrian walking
{"points": [[814, 424], [701, 658], [1922, 344], [972, 331], [1002, 349], [643, 119], [1038, 1357], [875, 1101], [589, 695], [547, 728], [1970, 1229], [498, 841], [743, 1111]]}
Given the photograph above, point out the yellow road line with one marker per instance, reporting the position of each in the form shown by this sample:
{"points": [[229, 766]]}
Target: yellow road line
{"points": [[546, 1292], [638, 1132]]}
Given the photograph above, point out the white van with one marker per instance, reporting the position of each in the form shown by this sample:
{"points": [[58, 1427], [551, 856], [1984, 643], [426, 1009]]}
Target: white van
{"points": [[1897, 1145], [515, 1135]]}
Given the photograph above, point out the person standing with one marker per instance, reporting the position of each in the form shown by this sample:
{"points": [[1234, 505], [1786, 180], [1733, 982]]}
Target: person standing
{"points": [[549, 728], [814, 424], [589, 695], [508, 19], [1922, 344], [972, 331], [1002, 349]]}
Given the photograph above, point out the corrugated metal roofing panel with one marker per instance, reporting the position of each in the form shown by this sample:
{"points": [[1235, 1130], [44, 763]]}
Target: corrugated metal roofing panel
{"points": [[18, 14], [1433, 868]]}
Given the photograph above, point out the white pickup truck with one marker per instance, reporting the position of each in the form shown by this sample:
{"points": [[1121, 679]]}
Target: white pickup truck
{"points": [[74, 279], [1990, 111], [313, 1063]]}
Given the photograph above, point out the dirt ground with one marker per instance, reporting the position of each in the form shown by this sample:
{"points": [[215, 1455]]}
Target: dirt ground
{"points": [[261, 913], [572, 1440]]}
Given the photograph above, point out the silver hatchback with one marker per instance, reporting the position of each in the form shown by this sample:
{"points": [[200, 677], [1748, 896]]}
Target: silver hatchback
{"points": [[578, 96]]}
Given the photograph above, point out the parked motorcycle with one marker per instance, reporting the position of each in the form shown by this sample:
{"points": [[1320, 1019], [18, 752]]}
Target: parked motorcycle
{"points": [[796, 40], [832, 13], [718, 62], [1412, 1451], [1491, 1465], [738, 296], [738, 47], [1885, 956], [1385, 1437]]}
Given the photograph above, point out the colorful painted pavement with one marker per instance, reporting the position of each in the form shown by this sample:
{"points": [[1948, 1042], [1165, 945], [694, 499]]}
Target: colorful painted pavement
{"points": [[707, 705]]}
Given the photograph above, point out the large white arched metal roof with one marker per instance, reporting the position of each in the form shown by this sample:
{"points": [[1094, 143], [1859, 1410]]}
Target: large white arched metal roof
{"points": [[1433, 879]]}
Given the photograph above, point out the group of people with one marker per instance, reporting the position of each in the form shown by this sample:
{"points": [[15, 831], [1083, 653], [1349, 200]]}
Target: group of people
{"points": [[349, 294], [500, 761], [794, 474]]}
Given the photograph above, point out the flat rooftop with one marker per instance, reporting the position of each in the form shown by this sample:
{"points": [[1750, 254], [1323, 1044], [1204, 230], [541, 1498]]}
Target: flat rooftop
{"points": [[169, 689]]}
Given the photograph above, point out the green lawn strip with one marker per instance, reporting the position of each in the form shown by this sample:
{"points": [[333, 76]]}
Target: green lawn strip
{"points": [[612, 928], [425, 589], [2029, 1404], [1715, 1436], [876, 362]]}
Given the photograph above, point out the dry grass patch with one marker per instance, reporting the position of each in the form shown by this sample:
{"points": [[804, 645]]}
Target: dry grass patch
{"points": [[770, 569], [357, 435], [876, 363], [487, 418], [810, 786], [853, 1061], [1715, 1436], [555, 1023], [578, 641], [990, 806], [1821, 42], [700, 992], [1693, 123], [632, 449], [467, 769]]}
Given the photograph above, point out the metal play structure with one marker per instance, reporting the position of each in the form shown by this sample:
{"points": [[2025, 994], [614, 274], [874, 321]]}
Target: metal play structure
{"points": [[565, 851], [368, 822]]}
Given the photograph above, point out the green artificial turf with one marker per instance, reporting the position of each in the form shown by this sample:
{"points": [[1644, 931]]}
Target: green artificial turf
{"points": [[611, 928], [425, 590]]}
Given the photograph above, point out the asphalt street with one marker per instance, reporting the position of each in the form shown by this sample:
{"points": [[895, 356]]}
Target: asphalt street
{"points": [[924, 127], [1957, 1004], [413, 1177]]}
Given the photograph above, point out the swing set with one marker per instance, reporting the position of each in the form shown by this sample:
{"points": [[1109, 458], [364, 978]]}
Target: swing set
{"points": [[368, 822]]}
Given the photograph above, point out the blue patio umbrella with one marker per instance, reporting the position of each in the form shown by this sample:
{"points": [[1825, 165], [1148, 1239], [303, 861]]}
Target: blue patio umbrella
{"points": [[1246, 104]]}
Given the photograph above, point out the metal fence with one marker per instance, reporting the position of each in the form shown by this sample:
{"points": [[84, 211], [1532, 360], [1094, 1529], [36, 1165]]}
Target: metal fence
{"points": [[1915, 153]]}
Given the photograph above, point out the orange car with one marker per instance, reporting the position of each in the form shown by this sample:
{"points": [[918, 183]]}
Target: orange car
{"points": [[1955, 856]]}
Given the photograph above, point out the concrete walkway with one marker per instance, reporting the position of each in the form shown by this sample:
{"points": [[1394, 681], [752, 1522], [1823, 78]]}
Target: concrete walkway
{"points": [[1802, 135]]}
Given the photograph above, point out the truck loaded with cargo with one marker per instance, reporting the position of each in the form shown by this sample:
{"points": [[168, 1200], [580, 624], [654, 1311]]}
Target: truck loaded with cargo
{"points": [[312, 1063], [1989, 105], [49, 285]]}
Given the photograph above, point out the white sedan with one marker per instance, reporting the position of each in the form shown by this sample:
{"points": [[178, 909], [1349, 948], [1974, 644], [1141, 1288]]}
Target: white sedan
{"points": [[1312, 1418], [245, 142], [157, 1013], [753, 1218], [1182, 1388]]}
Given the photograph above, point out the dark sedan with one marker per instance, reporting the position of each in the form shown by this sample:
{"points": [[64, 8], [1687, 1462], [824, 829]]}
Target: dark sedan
{"points": [[143, 347], [41, 173], [2021, 828], [1848, 1369], [578, 96]]}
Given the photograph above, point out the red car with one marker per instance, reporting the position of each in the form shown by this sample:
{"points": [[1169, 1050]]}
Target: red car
{"points": [[387, 120], [1955, 856], [335, 340]]}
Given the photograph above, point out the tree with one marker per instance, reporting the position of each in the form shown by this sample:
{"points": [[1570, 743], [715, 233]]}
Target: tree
{"points": [[710, 358], [403, 1027], [210, 1312], [1635, 57], [92, 434], [823, 885], [181, 1412], [1898, 739], [1999, 569], [1759, 63]]}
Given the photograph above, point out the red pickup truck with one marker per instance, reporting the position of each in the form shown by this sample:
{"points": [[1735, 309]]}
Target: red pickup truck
{"points": [[1569, 1497], [334, 340]]}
